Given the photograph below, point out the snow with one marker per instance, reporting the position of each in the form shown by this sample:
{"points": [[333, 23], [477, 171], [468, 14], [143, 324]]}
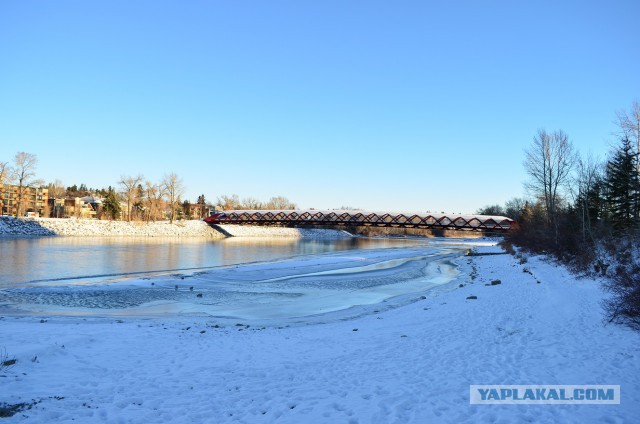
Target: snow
{"points": [[410, 362], [10, 226], [258, 231]]}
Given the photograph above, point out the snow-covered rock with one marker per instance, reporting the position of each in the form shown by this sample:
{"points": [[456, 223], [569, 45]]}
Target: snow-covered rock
{"points": [[37, 227], [10, 226]]}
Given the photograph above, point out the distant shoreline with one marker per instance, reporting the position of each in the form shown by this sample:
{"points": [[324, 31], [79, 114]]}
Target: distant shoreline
{"points": [[73, 227], [76, 227]]}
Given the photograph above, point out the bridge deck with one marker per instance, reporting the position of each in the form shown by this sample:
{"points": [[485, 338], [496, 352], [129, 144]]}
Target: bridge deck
{"points": [[300, 218]]}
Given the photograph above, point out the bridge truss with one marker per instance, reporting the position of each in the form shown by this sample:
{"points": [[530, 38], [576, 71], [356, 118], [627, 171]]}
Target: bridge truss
{"points": [[302, 218]]}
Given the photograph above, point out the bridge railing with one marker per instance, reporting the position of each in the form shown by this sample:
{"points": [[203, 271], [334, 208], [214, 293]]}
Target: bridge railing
{"points": [[361, 218]]}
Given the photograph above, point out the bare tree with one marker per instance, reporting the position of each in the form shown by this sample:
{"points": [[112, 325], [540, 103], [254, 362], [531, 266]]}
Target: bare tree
{"points": [[129, 186], [629, 123], [513, 208], [251, 203], [495, 210], [56, 191], [280, 203], [150, 192], [588, 175], [6, 172], [154, 194], [233, 202], [549, 161], [173, 188], [24, 177], [228, 203]]}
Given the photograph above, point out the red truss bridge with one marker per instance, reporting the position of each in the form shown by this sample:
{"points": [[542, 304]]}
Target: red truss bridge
{"points": [[301, 218]]}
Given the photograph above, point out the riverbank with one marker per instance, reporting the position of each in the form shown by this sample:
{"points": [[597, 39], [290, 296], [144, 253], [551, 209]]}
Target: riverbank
{"points": [[535, 324], [10, 226], [41, 227]]}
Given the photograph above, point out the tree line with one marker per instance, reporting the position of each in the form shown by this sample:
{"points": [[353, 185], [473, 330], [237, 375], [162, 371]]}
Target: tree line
{"points": [[233, 202], [134, 198], [146, 200], [585, 211]]}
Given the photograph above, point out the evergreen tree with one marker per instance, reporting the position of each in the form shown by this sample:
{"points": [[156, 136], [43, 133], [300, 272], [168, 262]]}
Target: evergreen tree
{"points": [[491, 210], [138, 202], [111, 204], [590, 205], [186, 209], [202, 206], [622, 186]]}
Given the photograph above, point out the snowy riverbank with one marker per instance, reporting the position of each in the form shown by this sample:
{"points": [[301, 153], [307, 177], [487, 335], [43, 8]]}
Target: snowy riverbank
{"points": [[84, 227], [10, 226], [410, 364]]}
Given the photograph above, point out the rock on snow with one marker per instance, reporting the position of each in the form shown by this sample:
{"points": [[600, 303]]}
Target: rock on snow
{"points": [[10, 226]]}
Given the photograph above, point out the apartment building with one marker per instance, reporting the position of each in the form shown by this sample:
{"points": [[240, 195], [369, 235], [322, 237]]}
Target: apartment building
{"points": [[35, 200]]}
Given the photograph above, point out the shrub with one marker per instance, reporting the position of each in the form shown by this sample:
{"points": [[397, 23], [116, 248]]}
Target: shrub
{"points": [[623, 307], [5, 362]]}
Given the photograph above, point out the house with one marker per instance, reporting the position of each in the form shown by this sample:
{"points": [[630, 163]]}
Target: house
{"points": [[75, 207]]}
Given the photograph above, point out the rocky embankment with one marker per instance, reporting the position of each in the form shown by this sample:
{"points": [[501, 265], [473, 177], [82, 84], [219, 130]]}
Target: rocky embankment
{"points": [[37, 227], [84, 227]]}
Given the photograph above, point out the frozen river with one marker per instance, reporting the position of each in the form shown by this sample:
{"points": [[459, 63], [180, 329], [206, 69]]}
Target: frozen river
{"points": [[254, 280]]}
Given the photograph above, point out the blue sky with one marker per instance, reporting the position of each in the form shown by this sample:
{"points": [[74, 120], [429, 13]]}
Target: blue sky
{"points": [[412, 105]]}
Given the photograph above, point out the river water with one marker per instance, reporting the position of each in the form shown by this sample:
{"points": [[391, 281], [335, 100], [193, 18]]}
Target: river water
{"points": [[234, 278], [43, 259]]}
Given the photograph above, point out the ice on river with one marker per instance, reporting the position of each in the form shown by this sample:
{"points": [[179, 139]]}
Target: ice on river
{"points": [[350, 283]]}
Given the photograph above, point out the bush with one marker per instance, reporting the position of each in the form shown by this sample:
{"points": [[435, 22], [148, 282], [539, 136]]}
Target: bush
{"points": [[623, 307], [602, 250], [5, 362]]}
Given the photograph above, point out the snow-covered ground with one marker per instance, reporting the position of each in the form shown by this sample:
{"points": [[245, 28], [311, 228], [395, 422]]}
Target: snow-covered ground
{"points": [[412, 363], [10, 226]]}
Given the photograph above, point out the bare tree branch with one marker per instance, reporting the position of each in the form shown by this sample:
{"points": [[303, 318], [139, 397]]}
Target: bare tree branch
{"points": [[629, 124], [24, 176], [280, 203], [6, 172], [549, 161], [129, 185], [173, 187]]}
